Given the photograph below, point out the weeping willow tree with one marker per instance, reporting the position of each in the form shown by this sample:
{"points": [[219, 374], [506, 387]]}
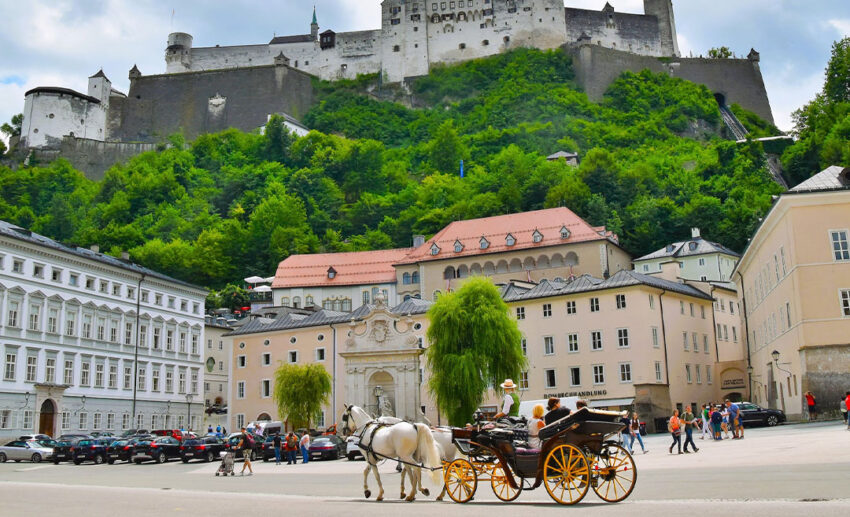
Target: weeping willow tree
{"points": [[300, 391], [474, 344]]}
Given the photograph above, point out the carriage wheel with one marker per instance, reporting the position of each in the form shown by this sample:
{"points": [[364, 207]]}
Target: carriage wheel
{"points": [[614, 474], [502, 487], [461, 480], [566, 474]]}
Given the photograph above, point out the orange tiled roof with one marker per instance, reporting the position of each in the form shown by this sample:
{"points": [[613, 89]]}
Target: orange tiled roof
{"points": [[355, 268], [522, 227]]}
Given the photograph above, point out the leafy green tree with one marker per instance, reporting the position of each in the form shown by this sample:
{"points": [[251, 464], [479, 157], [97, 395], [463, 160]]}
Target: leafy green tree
{"points": [[13, 128], [837, 85], [719, 53], [232, 297], [300, 391], [446, 150], [474, 344]]}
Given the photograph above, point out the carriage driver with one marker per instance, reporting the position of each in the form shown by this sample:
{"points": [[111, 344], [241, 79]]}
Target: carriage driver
{"points": [[510, 406]]}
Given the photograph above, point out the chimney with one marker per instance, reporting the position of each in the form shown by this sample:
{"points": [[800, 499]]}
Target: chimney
{"points": [[695, 233], [95, 248], [125, 256], [418, 240]]}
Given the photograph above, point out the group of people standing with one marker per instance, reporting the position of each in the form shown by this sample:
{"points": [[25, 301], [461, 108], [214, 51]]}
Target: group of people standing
{"points": [[291, 444], [717, 421]]}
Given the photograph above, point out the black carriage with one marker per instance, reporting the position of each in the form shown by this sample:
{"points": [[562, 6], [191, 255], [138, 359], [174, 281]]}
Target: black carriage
{"points": [[576, 455]]}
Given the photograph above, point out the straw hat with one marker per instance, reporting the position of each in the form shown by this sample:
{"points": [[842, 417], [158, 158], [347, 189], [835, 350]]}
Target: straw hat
{"points": [[508, 384]]}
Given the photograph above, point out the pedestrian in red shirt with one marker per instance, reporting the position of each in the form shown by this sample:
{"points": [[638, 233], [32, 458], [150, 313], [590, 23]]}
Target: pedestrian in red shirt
{"points": [[847, 405], [812, 404]]}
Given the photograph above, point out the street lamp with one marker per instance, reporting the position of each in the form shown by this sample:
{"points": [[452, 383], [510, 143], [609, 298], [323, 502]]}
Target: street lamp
{"points": [[188, 411], [775, 355]]}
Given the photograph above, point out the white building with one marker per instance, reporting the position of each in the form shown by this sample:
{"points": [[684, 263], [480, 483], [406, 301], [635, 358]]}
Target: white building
{"points": [[698, 259], [216, 370], [337, 281], [69, 322]]}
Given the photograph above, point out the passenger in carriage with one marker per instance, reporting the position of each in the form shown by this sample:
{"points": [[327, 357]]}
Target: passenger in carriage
{"points": [[556, 410], [535, 425]]}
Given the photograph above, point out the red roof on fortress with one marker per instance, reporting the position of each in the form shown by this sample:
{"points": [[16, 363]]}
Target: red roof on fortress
{"points": [[503, 233], [356, 268]]}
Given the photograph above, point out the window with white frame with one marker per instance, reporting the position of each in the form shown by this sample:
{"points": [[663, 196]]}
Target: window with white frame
{"points": [[705, 343], [655, 337], [27, 423], [547, 310], [83, 420], [265, 388], [625, 372], [651, 301], [35, 312], [698, 372], [320, 354], [241, 361], [155, 378], [623, 338], [695, 342], [549, 376], [293, 356], [523, 343], [10, 370], [594, 305], [113, 376], [681, 307], [181, 382], [169, 340], [523, 380], [98, 375], [621, 301], [688, 374], [240, 421], [266, 359], [68, 374], [702, 311], [53, 321], [548, 345], [125, 421], [97, 421], [685, 341], [845, 304], [520, 313], [195, 344], [32, 368], [194, 381], [85, 373], [169, 381], [840, 249], [50, 370], [128, 377], [596, 340], [142, 377], [571, 307], [182, 342], [658, 371], [572, 343], [575, 376], [240, 391], [128, 333], [708, 374], [66, 420], [598, 374], [6, 418], [12, 315]]}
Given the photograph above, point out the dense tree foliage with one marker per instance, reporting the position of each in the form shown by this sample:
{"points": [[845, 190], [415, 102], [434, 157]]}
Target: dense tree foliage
{"points": [[382, 166], [823, 125], [474, 344], [300, 391]]}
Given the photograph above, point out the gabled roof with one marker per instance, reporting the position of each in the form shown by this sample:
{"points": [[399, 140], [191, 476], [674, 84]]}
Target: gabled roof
{"points": [[832, 178], [521, 226], [562, 154], [99, 74], [683, 249], [587, 283], [300, 38], [355, 268]]}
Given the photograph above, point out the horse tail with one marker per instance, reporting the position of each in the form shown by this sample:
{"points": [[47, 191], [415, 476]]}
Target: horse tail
{"points": [[428, 453]]}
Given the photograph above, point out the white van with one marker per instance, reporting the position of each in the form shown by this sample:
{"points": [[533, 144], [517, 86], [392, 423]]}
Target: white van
{"points": [[527, 406], [266, 427]]}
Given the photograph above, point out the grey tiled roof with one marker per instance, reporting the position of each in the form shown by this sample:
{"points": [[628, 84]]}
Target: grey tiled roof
{"points": [[300, 38], [587, 283], [730, 286], [15, 232], [683, 249], [829, 179]]}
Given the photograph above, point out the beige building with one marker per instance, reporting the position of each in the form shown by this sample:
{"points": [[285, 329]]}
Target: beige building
{"points": [[217, 354], [697, 259], [795, 278]]}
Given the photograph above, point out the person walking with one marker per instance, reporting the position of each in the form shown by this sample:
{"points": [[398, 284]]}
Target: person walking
{"points": [[276, 445], [724, 412], [535, 425], [847, 407], [209, 429], [634, 433], [245, 446], [674, 426], [690, 422], [305, 447], [812, 404], [218, 429], [717, 422], [291, 447], [706, 421], [734, 419]]}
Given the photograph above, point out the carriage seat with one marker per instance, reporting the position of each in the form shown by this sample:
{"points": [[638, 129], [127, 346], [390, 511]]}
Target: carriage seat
{"points": [[527, 452]]}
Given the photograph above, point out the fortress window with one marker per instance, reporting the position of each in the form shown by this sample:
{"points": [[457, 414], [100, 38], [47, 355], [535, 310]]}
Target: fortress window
{"points": [[306, 63], [511, 9], [396, 48], [50, 116], [462, 46], [434, 7], [451, 5], [415, 18], [435, 18], [461, 4], [507, 39], [443, 6], [395, 21], [486, 41], [395, 10]]}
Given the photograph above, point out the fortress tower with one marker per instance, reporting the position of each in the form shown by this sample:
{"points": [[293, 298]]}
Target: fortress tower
{"points": [[178, 54], [663, 10]]}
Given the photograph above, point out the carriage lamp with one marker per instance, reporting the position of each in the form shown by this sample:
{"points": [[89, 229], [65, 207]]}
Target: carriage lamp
{"points": [[378, 391], [775, 355]]}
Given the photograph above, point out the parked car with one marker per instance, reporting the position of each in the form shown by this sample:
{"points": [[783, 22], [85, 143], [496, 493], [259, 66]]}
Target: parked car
{"points": [[30, 437], [159, 449], [207, 449], [64, 448], [103, 434], [327, 447], [754, 414], [232, 443], [352, 451], [129, 433], [119, 450], [90, 450], [22, 450], [174, 433]]}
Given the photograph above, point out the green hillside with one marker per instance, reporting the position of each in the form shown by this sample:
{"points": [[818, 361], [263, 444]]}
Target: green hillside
{"points": [[376, 172]]}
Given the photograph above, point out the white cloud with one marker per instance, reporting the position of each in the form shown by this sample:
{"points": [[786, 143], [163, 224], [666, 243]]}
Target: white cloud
{"points": [[788, 91], [842, 26]]}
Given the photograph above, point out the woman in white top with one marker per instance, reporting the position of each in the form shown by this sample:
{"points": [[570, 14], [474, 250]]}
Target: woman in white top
{"points": [[535, 425]]}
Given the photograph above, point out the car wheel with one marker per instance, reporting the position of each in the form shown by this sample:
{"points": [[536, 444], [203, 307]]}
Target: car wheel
{"points": [[137, 461], [77, 461], [111, 461], [36, 458], [161, 458], [2, 457], [98, 459], [56, 461], [210, 457], [772, 420], [185, 460]]}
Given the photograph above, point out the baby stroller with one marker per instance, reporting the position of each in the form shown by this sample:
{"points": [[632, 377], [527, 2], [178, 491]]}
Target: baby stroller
{"points": [[226, 466]]}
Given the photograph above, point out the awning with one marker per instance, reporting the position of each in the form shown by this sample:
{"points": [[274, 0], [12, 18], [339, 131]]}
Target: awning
{"points": [[262, 289], [254, 280], [269, 280], [612, 402]]}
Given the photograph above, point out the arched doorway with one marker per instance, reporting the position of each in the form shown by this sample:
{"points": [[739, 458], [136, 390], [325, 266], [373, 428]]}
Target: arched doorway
{"points": [[383, 398], [264, 417], [721, 99], [46, 420]]}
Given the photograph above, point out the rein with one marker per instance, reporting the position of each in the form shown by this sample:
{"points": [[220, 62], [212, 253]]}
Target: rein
{"points": [[360, 433]]}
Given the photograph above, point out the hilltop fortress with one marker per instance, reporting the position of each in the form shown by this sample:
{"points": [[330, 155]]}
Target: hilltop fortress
{"points": [[207, 89]]}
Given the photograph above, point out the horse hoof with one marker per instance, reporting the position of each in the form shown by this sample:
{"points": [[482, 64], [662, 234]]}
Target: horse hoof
{"points": [[426, 492], [410, 499], [367, 493], [402, 496], [380, 498]]}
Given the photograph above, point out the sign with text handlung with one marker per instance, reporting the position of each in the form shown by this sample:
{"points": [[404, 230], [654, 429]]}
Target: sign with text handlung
{"points": [[732, 384]]}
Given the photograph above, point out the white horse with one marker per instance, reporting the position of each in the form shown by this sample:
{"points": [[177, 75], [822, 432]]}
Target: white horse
{"points": [[402, 440]]}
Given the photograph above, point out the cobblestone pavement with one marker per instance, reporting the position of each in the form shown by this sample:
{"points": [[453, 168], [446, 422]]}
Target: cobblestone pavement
{"points": [[789, 470]]}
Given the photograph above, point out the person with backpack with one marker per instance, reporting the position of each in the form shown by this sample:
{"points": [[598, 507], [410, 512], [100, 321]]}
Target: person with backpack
{"points": [[716, 422], [246, 445], [291, 447], [674, 426]]}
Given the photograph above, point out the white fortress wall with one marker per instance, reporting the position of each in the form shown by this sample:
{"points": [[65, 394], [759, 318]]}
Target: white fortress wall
{"points": [[217, 58], [50, 116]]}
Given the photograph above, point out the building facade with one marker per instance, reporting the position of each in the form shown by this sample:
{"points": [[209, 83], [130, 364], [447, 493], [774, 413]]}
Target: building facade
{"points": [[217, 353], [697, 258], [70, 320], [795, 289]]}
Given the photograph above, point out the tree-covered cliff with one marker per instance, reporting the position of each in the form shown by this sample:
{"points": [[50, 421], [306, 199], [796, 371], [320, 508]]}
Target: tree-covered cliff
{"points": [[375, 172]]}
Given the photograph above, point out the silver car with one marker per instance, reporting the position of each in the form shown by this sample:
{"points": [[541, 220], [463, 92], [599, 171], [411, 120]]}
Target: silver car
{"points": [[352, 450], [20, 450]]}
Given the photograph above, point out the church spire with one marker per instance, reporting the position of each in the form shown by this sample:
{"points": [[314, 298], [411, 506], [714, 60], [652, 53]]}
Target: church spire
{"points": [[315, 20], [314, 27]]}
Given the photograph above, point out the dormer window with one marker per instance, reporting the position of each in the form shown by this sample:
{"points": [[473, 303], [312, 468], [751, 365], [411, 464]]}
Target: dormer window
{"points": [[458, 246], [435, 250], [536, 237], [669, 248], [484, 243], [565, 232], [510, 240], [692, 246], [331, 273]]}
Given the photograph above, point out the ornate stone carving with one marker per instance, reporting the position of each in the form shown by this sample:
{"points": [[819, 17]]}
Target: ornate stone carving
{"points": [[380, 331]]}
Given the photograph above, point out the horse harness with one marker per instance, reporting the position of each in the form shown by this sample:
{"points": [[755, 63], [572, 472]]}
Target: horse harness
{"points": [[370, 429]]}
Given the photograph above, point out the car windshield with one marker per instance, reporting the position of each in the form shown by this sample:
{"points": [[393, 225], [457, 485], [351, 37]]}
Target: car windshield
{"points": [[192, 442], [84, 443], [46, 443], [322, 440]]}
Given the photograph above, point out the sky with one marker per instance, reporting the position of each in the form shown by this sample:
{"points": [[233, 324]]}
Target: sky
{"points": [[63, 42]]}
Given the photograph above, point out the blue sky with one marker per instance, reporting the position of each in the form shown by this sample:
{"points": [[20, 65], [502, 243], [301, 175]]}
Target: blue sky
{"points": [[62, 42]]}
